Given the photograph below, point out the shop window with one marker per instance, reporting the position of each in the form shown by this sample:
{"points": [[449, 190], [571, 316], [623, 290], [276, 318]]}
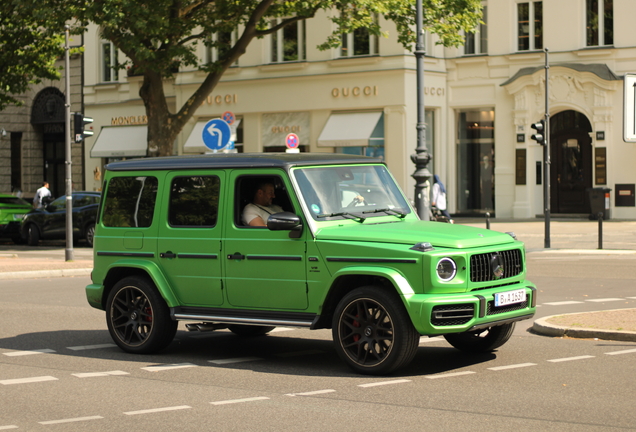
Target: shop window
{"points": [[16, 162], [288, 43], [360, 42], [599, 21], [110, 66], [476, 161], [530, 26], [477, 41]]}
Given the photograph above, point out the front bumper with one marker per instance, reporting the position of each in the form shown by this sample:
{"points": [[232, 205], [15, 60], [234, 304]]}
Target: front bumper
{"points": [[438, 314]]}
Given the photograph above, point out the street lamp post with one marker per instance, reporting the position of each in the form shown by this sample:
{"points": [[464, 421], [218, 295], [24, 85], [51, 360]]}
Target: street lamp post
{"points": [[421, 157], [67, 151]]}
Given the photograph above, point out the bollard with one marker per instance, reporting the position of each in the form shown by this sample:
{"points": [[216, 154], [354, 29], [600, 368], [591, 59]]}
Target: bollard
{"points": [[600, 230], [487, 220]]}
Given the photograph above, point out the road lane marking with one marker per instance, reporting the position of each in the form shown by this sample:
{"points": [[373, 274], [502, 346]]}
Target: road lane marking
{"points": [[426, 339], [234, 360], [633, 298], [604, 300], [571, 358], [515, 366], [90, 347], [99, 374], [156, 410], [621, 352], [233, 401], [28, 380], [561, 303], [448, 375], [168, 367], [29, 352], [8, 427], [311, 393], [300, 353], [381, 383], [70, 420]]}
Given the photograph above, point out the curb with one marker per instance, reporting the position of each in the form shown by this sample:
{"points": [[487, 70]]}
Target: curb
{"points": [[542, 327], [46, 273]]}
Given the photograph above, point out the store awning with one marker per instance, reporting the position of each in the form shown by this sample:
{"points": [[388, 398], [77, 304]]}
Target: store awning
{"points": [[121, 141], [194, 143], [353, 130]]}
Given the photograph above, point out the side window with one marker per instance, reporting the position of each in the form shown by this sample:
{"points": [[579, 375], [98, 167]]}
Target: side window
{"points": [[247, 197], [130, 202], [82, 200], [194, 201]]}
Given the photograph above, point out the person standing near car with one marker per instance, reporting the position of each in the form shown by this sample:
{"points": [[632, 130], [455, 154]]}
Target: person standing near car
{"points": [[439, 197], [40, 194]]}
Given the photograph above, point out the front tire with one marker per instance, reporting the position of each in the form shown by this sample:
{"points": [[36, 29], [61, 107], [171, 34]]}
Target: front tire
{"points": [[250, 330], [89, 234], [481, 341], [33, 235], [372, 331], [138, 318]]}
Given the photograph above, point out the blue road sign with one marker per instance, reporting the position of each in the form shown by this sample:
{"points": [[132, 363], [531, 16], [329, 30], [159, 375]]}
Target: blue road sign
{"points": [[216, 134]]}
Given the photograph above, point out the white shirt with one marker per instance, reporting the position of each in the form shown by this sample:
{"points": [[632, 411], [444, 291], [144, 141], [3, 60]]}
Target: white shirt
{"points": [[439, 197], [40, 194], [251, 211]]}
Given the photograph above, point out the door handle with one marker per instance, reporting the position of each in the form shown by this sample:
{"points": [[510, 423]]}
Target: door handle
{"points": [[236, 256], [168, 254]]}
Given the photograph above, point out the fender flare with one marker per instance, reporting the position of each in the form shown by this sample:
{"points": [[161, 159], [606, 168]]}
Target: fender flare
{"points": [[152, 270]]}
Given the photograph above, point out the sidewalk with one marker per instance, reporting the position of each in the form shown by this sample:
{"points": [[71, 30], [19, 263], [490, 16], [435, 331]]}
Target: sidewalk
{"points": [[576, 236]]}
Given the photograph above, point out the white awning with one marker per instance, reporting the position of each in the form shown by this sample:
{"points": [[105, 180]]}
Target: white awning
{"points": [[349, 129], [194, 143], [121, 141]]}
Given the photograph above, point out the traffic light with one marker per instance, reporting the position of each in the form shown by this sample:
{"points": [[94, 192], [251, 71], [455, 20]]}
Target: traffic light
{"points": [[539, 137], [79, 123]]}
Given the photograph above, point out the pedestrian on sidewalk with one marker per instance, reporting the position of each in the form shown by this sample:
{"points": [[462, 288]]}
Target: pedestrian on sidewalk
{"points": [[40, 194], [439, 197]]}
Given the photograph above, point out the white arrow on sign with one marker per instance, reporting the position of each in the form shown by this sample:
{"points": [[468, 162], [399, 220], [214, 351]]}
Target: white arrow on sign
{"points": [[629, 108]]}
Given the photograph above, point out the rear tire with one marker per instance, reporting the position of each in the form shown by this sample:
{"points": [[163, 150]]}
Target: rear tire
{"points": [[33, 235], [138, 318], [373, 332], [481, 341], [250, 330]]}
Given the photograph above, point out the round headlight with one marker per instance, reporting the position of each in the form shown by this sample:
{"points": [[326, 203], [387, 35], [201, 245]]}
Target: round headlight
{"points": [[446, 269]]}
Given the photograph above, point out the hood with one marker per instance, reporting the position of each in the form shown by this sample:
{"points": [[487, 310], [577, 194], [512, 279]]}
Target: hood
{"points": [[439, 234]]}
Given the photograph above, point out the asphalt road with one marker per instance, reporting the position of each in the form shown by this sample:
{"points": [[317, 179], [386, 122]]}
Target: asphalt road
{"points": [[59, 370]]}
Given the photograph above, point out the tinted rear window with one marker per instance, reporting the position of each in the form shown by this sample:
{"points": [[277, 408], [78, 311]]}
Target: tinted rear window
{"points": [[130, 202]]}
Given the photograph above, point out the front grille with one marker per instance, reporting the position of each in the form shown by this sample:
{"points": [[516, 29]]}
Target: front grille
{"points": [[481, 268], [454, 314], [492, 310]]}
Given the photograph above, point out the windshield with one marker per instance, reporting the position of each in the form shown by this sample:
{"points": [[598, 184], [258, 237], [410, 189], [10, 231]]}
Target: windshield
{"points": [[337, 192], [14, 201]]}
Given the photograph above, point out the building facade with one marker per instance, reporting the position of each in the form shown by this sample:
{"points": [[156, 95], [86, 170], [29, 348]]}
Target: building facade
{"points": [[481, 100]]}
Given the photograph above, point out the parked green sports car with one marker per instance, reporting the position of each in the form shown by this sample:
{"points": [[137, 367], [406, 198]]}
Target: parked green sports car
{"points": [[12, 210]]}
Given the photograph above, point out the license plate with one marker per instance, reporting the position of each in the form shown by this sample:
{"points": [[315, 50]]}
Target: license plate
{"points": [[510, 297]]}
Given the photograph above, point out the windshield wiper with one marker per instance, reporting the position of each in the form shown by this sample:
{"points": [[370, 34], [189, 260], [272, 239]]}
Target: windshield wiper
{"points": [[346, 215], [387, 211]]}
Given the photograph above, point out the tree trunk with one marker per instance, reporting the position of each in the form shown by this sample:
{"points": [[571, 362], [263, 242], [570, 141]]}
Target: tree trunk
{"points": [[162, 133]]}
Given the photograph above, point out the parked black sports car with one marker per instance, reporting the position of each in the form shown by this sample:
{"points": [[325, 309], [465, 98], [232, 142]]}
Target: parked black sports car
{"points": [[50, 222]]}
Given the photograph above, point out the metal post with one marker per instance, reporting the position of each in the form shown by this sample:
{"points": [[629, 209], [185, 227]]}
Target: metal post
{"points": [[487, 220], [67, 152], [546, 156], [600, 230], [421, 157]]}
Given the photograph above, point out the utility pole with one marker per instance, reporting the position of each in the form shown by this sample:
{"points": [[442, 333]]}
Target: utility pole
{"points": [[546, 156], [67, 151], [422, 157]]}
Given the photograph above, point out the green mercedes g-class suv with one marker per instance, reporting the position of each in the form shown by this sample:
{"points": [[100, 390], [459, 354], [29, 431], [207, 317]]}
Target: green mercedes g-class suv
{"points": [[342, 249]]}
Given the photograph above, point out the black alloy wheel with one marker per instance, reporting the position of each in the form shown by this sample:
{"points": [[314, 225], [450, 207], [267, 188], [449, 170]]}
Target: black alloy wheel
{"points": [[372, 331], [89, 234], [138, 318], [481, 341], [33, 235]]}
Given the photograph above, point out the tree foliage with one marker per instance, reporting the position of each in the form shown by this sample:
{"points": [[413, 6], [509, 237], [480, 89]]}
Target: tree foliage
{"points": [[31, 40], [161, 36]]}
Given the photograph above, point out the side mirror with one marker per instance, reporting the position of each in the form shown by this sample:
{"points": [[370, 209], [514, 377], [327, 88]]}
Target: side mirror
{"points": [[285, 221]]}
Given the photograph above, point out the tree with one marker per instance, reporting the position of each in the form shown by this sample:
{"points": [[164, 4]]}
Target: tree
{"points": [[31, 40], [160, 36]]}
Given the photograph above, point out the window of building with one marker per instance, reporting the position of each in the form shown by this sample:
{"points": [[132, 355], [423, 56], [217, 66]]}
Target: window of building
{"points": [[599, 21], [16, 162], [222, 42], [110, 70], [477, 41], [288, 43], [194, 201], [475, 159], [130, 202], [360, 42], [530, 26]]}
